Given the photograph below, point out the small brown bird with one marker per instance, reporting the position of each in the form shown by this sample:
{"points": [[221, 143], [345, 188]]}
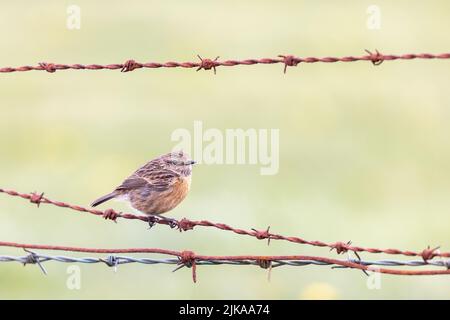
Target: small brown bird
{"points": [[158, 186]]}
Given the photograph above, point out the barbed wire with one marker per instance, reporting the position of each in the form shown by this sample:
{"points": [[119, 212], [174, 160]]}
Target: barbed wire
{"points": [[211, 64], [114, 260], [191, 260], [185, 225]]}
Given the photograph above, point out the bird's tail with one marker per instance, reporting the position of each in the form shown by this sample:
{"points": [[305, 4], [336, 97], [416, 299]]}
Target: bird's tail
{"points": [[100, 200]]}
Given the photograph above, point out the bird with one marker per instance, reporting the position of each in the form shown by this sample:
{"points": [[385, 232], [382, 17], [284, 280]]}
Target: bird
{"points": [[156, 187]]}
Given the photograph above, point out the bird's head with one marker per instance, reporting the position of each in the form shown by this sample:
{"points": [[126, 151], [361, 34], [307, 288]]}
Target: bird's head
{"points": [[179, 161]]}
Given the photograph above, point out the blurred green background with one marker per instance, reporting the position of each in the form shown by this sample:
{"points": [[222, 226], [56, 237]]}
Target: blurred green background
{"points": [[364, 151]]}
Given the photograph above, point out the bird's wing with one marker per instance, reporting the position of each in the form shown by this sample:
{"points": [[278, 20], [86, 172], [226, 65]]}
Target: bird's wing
{"points": [[156, 179], [160, 179], [132, 182]]}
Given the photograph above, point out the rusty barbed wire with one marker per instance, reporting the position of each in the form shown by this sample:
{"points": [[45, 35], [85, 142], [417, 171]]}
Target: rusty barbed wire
{"points": [[376, 58], [185, 225], [191, 260]]}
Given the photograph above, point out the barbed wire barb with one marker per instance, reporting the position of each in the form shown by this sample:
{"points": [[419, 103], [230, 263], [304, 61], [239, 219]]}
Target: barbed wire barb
{"points": [[33, 258]]}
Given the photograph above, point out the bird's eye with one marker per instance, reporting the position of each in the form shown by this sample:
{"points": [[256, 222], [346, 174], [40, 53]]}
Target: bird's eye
{"points": [[175, 162]]}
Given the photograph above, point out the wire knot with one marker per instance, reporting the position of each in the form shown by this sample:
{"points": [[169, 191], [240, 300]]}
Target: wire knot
{"points": [[111, 261], [208, 64], [110, 214], [130, 65], [340, 247], [33, 258], [49, 67], [376, 57], [264, 263], [429, 254], [262, 234], [187, 259], [36, 198], [185, 225], [289, 61]]}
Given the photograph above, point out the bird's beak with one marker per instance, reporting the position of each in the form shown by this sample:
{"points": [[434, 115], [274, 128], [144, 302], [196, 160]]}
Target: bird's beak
{"points": [[192, 162]]}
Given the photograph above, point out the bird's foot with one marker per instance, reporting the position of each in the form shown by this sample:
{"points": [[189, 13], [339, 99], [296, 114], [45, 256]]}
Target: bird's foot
{"points": [[152, 220], [172, 223]]}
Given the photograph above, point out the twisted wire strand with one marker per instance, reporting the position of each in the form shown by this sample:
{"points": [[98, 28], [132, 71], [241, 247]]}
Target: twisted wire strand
{"points": [[207, 64], [128, 259], [185, 225]]}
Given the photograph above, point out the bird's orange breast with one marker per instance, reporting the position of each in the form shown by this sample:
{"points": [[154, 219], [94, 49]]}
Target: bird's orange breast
{"points": [[181, 188], [164, 201]]}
